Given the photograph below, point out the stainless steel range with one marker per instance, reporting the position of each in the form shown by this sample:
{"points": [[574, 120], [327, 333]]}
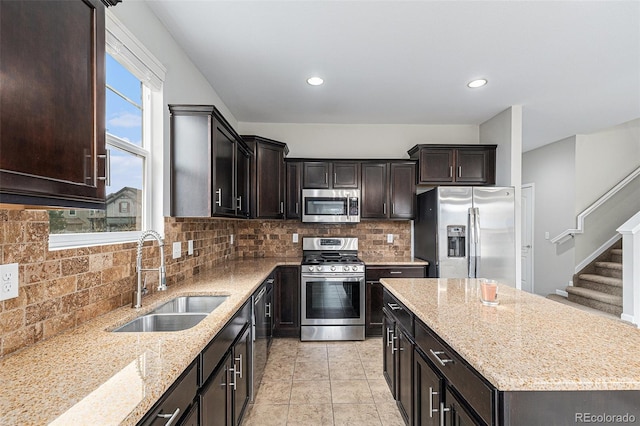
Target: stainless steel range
{"points": [[333, 290]]}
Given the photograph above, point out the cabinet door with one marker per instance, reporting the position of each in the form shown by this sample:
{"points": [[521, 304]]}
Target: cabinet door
{"points": [[192, 418], [402, 190], [455, 412], [315, 175], [346, 175], [471, 166], [215, 402], [242, 182], [286, 301], [52, 99], [374, 191], [436, 165], [269, 181], [404, 375], [293, 190], [373, 312], [427, 391], [388, 358], [241, 370], [223, 151]]}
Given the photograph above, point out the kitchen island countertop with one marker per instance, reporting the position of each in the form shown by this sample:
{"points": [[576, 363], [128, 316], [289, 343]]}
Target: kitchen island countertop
{"points": [[90, 375], [527, 342]]}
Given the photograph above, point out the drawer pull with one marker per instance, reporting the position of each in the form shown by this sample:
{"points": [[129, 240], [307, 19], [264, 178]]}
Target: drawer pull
{"points": [[431, 409], [395, 272], [436, 355], [442, 411], [232, 371], [238, 371], [393, 346], [389, 336], [171, 417], [394, 306]]}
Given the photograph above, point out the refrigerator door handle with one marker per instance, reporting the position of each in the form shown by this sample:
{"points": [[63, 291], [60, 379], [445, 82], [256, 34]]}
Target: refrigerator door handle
{"points": [[471, 258], [476, 228]]}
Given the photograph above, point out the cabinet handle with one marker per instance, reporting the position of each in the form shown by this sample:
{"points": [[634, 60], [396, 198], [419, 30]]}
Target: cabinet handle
{"points": [[389, 331], [267, 312], [326, 178], [393, 346], [384, 208], [219, 196], [436, 355], [296, 208], [107, 168], [395, 272], [450, 171], [239, 203], [431, 409], [459, 171], [281, 207], [239, 370], [442, 411], [393, 208], [394, 306], [232, 371], [271, 280], [335, 178], [171, 417]]}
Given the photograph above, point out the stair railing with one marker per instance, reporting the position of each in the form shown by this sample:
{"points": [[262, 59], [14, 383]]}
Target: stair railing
{"points": [[579, 229]]}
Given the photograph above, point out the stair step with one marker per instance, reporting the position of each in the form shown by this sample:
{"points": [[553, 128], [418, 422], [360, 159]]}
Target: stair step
{"points": [[607, 285], [609, 269], [596, 299], [565, 301], [616, 255]]}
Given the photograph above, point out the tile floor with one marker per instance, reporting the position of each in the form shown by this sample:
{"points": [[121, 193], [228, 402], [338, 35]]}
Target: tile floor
{"points": [[324, 383]]}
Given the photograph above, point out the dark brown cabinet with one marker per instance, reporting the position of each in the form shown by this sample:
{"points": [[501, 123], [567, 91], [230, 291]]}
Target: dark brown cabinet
{"points": [[455, 164], [267, 177], [293, 190], [427, 391], [52, 99], [286, 300], [209, 164], [388, 190], [331, 174], [373, 296]]}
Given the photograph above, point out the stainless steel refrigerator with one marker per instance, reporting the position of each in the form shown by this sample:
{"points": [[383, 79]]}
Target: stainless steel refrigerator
{"points": [[467, 232]]}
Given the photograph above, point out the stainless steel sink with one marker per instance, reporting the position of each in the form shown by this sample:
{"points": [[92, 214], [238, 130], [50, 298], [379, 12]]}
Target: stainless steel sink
{"points": [[190, 304], [161, 322]]}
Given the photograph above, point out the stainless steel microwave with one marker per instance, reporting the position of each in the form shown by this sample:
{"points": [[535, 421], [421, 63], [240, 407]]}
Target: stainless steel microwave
{"points": [[331, 205]]}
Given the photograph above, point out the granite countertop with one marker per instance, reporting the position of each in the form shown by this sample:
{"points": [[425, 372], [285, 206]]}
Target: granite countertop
{"points": [[527, 342], [399, 261], [89, 375]]}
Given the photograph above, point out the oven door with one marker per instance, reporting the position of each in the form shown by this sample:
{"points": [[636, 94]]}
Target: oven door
{"points": [[332, 300]]}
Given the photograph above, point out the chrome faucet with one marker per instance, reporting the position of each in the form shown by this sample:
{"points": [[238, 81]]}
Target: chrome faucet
{"points": [[162, 282]]}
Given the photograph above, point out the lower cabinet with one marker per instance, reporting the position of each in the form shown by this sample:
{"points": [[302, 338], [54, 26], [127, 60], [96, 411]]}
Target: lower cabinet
{"points": [[286, 302], [427, 391]]}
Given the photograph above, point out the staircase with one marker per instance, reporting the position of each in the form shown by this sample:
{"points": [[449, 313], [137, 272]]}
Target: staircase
{"points": [[599, 285]]}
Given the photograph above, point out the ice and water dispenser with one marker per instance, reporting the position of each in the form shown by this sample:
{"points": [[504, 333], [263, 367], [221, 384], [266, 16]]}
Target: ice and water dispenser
{"points": [[456, 236]]}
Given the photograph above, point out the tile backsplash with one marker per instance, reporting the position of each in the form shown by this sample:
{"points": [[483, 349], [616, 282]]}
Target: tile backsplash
{"points": [[62, 289]]}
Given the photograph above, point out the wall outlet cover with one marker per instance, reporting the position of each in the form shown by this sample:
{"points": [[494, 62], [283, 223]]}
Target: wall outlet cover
{"points": [[295, 238], [232, 238], [390, 238], [190, 247], [9, 281], [177, 249]]}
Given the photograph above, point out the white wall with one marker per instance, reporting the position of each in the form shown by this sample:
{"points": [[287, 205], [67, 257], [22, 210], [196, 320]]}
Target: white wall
{"points": [[505, 130], [359, 140], [183, 81], [552, 169]]}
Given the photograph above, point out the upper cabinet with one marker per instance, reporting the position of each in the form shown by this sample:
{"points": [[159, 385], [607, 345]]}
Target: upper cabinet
{"points": [[293, 190], [267, 187], [388, 190], [331, 174], [209, 164], [52, 98], [455, 164]]}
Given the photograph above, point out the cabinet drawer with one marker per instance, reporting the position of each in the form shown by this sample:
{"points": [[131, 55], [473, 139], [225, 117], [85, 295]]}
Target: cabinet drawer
{"points": [[374, 273], [399, 311], [477, 393], [215, 351], [179, 396]]}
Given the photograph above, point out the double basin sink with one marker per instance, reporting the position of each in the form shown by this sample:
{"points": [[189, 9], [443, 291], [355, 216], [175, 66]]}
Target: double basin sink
{"points": [[177, 314]]}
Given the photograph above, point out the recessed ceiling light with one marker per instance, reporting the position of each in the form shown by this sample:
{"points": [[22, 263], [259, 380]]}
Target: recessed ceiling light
{"points": [[477, 83], [315, 81]]}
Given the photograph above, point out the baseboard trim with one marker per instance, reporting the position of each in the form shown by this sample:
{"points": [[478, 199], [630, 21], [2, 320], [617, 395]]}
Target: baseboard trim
{"points": [[629, 318], [562, 293], [597, 253]]}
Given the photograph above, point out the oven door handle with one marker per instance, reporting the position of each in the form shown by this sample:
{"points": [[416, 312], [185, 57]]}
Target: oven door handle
{"points": [[320, 277]]}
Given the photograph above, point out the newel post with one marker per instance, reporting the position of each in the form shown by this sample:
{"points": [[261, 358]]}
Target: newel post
{"points": [[630, 231]]}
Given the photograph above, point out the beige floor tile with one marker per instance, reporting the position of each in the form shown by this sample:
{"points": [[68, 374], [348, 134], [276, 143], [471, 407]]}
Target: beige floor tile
{"points": [[266, 415], [311, 353], [355, 415], [373, 369], [279, 369], [311, 370], [351, 392], [389, 414], [381, 392], [349, 352], [346, 369], [311, 392], [310, 415], [273, 393]]}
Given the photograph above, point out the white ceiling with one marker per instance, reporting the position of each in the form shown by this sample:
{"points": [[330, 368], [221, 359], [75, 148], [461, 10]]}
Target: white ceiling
{"points": [[574, 66]]}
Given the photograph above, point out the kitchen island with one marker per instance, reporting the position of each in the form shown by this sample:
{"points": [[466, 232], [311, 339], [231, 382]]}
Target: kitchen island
{"points": [[528, 360]]}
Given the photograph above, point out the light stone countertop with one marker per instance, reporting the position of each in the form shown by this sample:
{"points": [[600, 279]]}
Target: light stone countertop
{"points": [[89, 375], [527, 342]]}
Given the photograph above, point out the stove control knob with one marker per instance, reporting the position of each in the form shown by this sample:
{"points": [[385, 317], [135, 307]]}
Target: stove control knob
{"points": [[346, 268], [333, 268], [355, 269], [318, 268], [310, 268]]}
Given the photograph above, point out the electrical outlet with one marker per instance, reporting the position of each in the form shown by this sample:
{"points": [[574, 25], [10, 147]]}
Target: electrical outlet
{"points": [[177, 249], [390, 238], [8, 281], [546, 235], [190, 247], [295, 238]]}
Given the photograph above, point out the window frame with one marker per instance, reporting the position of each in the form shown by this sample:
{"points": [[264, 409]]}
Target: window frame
{"points": [[123, 46]]}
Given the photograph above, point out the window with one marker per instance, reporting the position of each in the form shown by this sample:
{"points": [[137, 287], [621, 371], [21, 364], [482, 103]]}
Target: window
{"points": [[133, 116]]}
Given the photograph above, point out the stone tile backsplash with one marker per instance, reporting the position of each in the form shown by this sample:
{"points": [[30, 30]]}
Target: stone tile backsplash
{"points": [[62, 289]]}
